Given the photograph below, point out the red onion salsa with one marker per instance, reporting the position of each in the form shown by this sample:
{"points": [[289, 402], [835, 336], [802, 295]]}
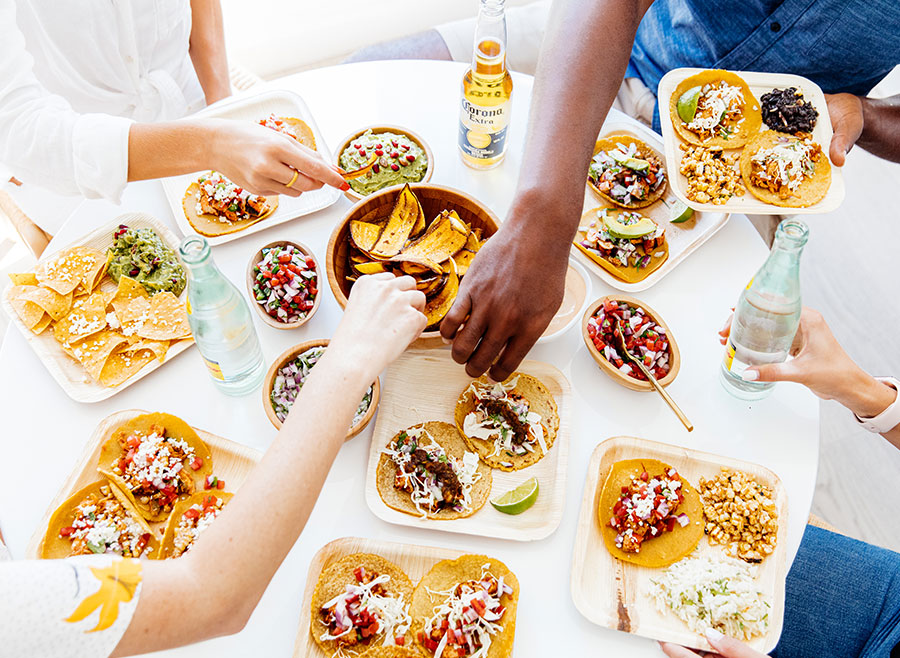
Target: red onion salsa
{"points": [[285, 283], [644, 338], [289, 380]]}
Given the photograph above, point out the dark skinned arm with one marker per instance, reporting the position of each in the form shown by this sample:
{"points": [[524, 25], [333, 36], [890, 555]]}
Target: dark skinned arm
{"points": [[207, 49], [515, 284], [873, 123]]}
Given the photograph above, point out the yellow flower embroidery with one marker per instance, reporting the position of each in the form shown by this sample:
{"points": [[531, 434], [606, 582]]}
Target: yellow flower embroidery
{"points": [[118, 583]]}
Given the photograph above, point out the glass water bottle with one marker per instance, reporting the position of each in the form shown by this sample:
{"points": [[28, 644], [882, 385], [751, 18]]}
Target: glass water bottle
{"points": [[767, 314], [220, 321]]}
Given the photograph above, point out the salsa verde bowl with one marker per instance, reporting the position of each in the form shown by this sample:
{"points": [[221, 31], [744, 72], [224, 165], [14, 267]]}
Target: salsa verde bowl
{"points": [[291, 355]]}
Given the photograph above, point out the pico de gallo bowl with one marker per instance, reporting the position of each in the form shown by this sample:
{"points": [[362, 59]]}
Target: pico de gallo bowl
{"points": [[646, 337], [283, 282]]}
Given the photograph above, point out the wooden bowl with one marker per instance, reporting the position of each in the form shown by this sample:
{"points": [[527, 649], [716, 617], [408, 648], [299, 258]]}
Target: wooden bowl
{"points": [[429, 170], [291, 353], [268, 319], [609, 368], [434, 199]]}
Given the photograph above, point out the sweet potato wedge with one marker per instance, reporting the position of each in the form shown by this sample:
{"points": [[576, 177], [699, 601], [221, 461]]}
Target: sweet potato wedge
{"points": [[439, 305], [364, 235], [404, 216], [446, 235]]}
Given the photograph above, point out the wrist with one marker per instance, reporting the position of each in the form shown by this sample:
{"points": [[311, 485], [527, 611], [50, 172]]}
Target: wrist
{"points": [[867, 397], [535, 215]]}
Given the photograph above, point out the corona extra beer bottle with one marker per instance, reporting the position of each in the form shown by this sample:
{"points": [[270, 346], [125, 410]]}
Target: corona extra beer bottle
{"points": [[486, 92]]}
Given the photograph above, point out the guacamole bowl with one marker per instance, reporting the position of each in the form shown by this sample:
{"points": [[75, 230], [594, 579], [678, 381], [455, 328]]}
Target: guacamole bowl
{"points": [[388, 171]]}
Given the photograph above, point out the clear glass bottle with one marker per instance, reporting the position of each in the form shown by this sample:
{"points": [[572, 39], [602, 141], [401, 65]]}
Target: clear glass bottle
{"points": [[221, 323], [767, 314], [486, 91]]}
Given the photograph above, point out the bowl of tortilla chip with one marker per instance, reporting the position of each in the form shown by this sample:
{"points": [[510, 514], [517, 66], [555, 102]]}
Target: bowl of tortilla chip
{"points": [[427, 231]]}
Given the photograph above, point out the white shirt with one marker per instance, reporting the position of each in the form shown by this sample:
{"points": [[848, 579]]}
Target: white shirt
{"points": [[74, 75]]}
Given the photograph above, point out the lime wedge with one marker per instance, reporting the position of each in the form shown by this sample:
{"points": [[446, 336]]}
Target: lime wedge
{"points": [[680, 213], [519, 499], [687, 104]]}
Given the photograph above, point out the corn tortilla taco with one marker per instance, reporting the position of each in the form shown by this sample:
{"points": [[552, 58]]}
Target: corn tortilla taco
{"points": [[668, 528], [189, 518], [361, 602], [627, 172], [214, 206], [156, 460], [725, 111], [625, 243], [511, 425], [293, 127], [785, 170], [428, 470], [475, 582], [98, 519]]}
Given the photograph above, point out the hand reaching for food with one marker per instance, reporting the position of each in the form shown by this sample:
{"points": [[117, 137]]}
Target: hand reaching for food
{"points": [[383, 316], [726, 647]]}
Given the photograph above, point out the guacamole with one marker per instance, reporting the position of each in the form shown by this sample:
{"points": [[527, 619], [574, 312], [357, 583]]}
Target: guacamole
{"points": [[400, 160], [142, 255]]}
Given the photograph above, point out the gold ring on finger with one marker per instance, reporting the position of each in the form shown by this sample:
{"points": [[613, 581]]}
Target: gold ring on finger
{"points": [[294, 179]]}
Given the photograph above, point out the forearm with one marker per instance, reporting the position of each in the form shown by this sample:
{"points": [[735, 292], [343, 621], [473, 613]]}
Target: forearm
{"points": [[881, 127], [573, 92], [171, 148], [208, 49], [213, 589], [867, 397]]}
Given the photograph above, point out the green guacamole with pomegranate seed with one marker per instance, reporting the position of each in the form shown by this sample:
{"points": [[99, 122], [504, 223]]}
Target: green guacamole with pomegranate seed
{"points": [[400, 160]]}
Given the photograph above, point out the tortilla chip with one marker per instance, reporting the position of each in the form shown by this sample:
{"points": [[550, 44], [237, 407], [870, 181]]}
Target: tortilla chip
{"points": [[752, 118], [42, 325], [129, 289], [29, 312], [23, 279], [131, 314], [94, 352], [333, 581], [122, 365], [446, 436], [86, 319], [159, 348], [168, 318], [56, 305], [610, 143], [445, 576], [813, 188], [64, 271], [660, 551], [540, 400]]}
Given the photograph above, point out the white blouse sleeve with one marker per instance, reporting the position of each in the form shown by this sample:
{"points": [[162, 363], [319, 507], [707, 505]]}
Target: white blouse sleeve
{"points": [[84, 604], [43, 140]]}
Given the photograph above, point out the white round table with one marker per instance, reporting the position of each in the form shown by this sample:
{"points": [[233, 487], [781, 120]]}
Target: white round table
{"points": [[44, 431]]}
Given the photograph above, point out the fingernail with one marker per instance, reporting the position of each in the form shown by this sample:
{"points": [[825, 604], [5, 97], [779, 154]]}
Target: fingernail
{"points": [[750, 375], [713, 635], [491, 379], [345, 186], [446, 341]]}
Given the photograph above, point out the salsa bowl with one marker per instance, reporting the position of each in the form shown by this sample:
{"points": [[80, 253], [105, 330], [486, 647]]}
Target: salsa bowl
{"points": [[251, 280]]}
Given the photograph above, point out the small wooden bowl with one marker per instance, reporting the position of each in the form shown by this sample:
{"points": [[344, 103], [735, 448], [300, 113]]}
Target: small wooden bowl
{"points": [[434, 199], [429, 170], [290, 354], [609, 368], [251, 278]]}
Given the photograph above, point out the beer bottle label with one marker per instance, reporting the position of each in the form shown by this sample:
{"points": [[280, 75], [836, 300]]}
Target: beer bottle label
{"points": [[482, 130]]}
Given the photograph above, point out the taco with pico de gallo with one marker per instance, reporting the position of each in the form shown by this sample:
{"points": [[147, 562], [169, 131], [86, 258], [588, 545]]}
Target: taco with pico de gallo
{"points": [[715, 108], [98, 519], [156, 460], [427, 470], [293, 127], [189, 518], [510, 424], [627, 172], [361, 602], [466, 607], [214, 206], [625, 243], [785, 170]]}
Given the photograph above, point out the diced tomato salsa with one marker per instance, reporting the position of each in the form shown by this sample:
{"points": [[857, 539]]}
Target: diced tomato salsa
{"points": [[285, 283], [644, 338]]}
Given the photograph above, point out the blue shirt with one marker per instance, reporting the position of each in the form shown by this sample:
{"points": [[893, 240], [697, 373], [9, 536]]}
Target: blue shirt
{"points": [[841, 45]]}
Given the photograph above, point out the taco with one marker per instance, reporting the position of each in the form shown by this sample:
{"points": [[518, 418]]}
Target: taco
{"points": [[292, 127], [510, 425], [189, 518], [156, 460], [627, 172], [446, 598], [215, 206], [427, 470], [625, 243], [715, 108], [361, 601], [98, 519], [649, 515], [785, 170]]}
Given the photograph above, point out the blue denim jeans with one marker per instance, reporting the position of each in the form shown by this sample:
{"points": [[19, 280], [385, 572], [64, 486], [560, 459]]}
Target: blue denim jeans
{"points": [[843, 600]]}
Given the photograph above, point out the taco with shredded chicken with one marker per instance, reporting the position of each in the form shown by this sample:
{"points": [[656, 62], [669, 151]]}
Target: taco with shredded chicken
{"points": [[512, 424], [428, 470], [216, 206], [785, 170], [466, 608], [156, 460], [189, 518], [361, 602], [715, 108]]}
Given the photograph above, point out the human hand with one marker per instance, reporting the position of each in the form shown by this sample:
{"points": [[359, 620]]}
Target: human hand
{"points": [[383, 316], [510, 293], [726, 647], [264, 161], [846, 114]]}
